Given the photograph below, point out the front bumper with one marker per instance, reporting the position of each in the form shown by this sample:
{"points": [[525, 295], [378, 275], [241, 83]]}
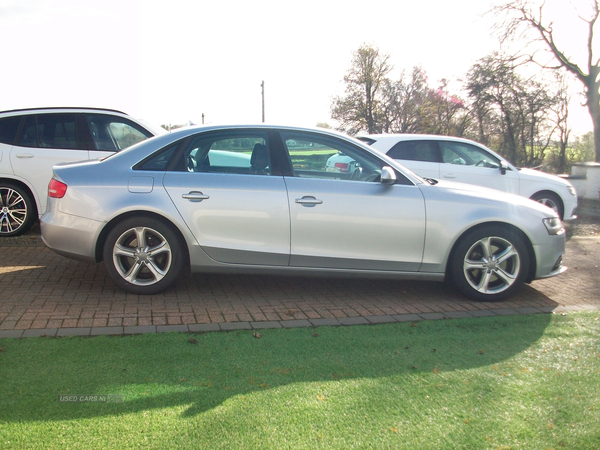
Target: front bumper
{"points": [[549, 257]]}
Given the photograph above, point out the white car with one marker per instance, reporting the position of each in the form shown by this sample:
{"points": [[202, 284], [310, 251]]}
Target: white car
{"points": [[33, 140], [465, 161]]}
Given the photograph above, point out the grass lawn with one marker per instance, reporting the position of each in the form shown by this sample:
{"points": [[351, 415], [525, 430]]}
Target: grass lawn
{"points": [[528, 382]]}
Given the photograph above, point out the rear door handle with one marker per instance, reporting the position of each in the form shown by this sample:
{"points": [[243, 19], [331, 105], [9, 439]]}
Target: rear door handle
{"points": [[24, 155], [308, 200], [195, 196]]}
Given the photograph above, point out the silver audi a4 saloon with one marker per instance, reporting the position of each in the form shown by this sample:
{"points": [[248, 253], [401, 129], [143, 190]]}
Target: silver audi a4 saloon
{"points": [[262, 199]]}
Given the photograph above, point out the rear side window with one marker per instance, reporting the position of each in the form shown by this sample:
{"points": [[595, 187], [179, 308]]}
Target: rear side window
{"points": [[8, 129], [49, 131], [57, 131], [29, 134], [415, 151], [111, 133]]}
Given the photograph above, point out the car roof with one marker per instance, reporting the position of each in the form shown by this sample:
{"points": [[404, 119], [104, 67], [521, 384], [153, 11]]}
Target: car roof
{"points": [[413, 137], [53, 109]]}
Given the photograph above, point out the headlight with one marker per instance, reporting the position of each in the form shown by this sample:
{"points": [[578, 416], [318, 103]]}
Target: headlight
{"points": [[572, 191], [554, 225]]}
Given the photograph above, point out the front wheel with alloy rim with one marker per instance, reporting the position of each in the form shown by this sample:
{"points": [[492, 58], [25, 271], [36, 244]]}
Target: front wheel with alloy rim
{"points": [[550, 200], [143, 255], [489, 263], [17, 212]]}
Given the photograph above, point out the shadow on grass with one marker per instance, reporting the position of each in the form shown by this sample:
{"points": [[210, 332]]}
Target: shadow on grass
{"points": [[164, 371]]}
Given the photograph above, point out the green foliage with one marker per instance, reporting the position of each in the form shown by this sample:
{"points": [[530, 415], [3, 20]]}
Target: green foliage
{"points": [[523, 118], [501, 382]]}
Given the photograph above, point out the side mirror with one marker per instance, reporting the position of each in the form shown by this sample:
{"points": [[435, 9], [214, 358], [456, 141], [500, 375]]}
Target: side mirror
{"points": [[503, 167], [388, 176]]}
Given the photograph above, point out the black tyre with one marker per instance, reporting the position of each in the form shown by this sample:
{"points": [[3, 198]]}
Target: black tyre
{"points": [[143, 255], [551, 201], [17, 210], [489, 263]]}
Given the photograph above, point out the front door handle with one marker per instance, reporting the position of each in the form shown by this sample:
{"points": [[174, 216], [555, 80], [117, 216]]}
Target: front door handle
{"points": [[24, 155], [195, 196], [309, 201]]}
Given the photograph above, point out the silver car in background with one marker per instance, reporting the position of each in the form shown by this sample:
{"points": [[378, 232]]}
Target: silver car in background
{"points": [[272, 206]]}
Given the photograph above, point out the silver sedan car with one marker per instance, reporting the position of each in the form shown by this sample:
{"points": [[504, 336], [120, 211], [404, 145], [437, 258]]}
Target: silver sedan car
{"points": [[262, 199]]}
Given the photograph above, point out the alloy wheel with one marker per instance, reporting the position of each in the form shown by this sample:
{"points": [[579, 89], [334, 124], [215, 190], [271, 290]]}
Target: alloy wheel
{"points": [[142, 256], [491, 265]]}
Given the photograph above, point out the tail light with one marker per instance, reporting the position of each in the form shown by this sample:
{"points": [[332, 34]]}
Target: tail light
{"points": [[56, 189], [342, 167]]}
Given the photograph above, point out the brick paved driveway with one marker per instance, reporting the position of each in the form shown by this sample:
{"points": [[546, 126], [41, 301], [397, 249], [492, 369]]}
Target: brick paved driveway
{"points": [[45, 294]]}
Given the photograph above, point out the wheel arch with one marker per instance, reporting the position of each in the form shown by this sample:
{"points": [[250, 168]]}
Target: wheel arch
{"points": [[139, 214], [554, 194], [508, 227]]}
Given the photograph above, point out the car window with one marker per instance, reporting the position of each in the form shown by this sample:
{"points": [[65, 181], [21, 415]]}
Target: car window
{"points": [[240, 152], [8, 129], [49, 131], [160, 160], [415, 151], [126, 135], [57, 131], [28, 136], [317, 156], [112, 133], [466, 154]]}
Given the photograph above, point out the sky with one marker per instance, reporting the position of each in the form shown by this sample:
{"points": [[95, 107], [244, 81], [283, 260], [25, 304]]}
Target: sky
{"points": [[177, 61]]}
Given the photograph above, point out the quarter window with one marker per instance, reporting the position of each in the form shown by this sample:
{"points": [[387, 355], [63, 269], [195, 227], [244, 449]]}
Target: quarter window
{"points": [[8, 129]]}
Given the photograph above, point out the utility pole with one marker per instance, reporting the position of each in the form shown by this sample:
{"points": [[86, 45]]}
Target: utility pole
{"points": [[202, 118], [262, 85]]}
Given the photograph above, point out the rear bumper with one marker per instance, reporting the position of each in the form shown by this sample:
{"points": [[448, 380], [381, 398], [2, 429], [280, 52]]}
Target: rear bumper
{"points": [[71, 236]]}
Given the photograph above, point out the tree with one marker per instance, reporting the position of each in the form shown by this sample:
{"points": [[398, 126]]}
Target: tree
{"points": [[522, 16], [513, 107], [560, 111], [361, 108]]}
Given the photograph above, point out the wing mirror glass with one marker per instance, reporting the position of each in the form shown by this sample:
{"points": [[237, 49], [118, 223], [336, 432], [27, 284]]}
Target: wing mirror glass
{"points": [[503, 167], [388, 175]]}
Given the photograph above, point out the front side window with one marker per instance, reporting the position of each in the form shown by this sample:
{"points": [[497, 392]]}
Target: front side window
{"points": [[112, 133], [415, 151], [467, 155], [325, 157]]}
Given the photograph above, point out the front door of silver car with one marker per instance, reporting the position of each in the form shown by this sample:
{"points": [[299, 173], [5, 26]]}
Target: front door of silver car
{"points": [[350, 220]]}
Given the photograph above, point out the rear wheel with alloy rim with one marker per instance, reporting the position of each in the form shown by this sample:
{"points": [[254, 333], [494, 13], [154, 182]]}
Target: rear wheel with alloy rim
{"points": [[489, 263], [17, 212], [143, 255]]}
